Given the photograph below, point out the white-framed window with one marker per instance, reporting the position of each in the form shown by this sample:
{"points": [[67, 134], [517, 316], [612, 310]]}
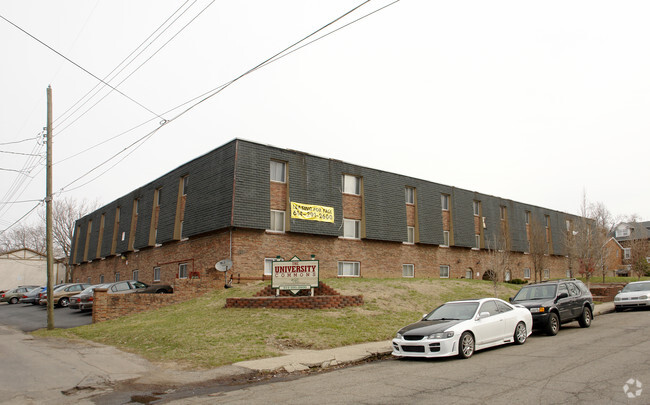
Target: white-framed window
{"points": [[627, 253], [469, 273], [408, 270], [186, 180], [101, 279], [477, 208], [136, 273], [568, 225], [410, 234], [136, 204], [181, 230], [477, 241], [507, 275], [444, 201], [547, 219], [156, 274], [351, 228], [351, 184], [182, 270], [349, 269], [568, 273], [445, 238], [158, 197], [503, 212], [622, 232], [547, 274], [527, 217], [410, 195], [278, 171], [277, 221], [268, 266], [117, 276], [444, 271], [526, 273]]}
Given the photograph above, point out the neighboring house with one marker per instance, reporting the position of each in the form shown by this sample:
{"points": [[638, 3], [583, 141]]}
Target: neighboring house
{"points": [[615, 265], [252, 203], [629, 236], [26, 267]]}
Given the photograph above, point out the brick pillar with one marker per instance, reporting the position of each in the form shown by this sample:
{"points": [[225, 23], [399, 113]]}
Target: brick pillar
{"points": [[100, 304]]}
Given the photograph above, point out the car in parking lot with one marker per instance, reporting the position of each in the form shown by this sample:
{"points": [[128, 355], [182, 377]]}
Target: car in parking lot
{"points": [[463, 327], [12, 296], [31, 296], [124, 287], [634, 295], [85, 298], [556, 302], [61, 295]]}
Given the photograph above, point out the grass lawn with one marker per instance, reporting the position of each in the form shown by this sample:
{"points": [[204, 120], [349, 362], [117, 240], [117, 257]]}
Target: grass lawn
{"points": [[201, 333]]}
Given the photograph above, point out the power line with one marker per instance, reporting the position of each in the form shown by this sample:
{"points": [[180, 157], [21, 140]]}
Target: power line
{"points": [[79, 66], [20, 219], [18, 153], [122, 69], [21, 141]]}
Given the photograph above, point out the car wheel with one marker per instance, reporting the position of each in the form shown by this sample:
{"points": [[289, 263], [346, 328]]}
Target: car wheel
{"points": [[585, 319], [553, 325], [14, 300], [466, 345], [64, 302], [34, 302], [617, 309], [520, 333], [161, 291]]}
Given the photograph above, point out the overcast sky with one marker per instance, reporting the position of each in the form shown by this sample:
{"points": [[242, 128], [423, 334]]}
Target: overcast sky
{"points": [[536, 102]]}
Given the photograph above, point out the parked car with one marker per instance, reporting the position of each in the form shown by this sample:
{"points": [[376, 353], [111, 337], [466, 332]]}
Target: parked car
{"points": [[12, 296], [61, 295], [634, 295], [557, 302], [31, 296], [463, 327], [126, 287], [85, 298]]}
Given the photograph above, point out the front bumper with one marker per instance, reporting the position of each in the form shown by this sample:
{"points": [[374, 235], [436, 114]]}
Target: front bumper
{"points": [[425, 347], [632, 303]]}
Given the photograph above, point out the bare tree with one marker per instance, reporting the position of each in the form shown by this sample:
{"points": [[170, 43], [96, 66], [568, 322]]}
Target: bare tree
{"points": [[604, 223], [590, 238], [499, 258], [64, 214], [538, 247], [24, 237], [639, 253]]}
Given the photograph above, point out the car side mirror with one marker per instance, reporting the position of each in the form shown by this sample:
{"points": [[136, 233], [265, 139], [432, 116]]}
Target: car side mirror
{"points": [[510, 299], [620, 291], [562, 295], [483, 315]]}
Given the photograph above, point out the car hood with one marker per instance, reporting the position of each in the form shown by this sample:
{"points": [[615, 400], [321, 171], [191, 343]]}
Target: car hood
{"points": [[534, 303], [632, 294], [428, 327]]}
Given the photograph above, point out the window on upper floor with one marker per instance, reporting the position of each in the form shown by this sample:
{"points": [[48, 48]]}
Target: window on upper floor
{"points": [[547, 220], [186, 180], [277, 221], [444, 201], [351, 184], [158, 196], [477, 241], [410, 234], [477, 208], [503, 212], [622, 232], [568, 224], [410, 195], [278, 171], [527, 215], [351, 228], [445, 238]]}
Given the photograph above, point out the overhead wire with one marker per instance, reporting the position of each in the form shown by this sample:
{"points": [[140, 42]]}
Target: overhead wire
{"points": [[79, 66]]}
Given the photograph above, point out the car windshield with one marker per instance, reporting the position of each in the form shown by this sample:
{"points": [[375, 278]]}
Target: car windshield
{"points": [[536, 292], [453, 311], [636, 287]]}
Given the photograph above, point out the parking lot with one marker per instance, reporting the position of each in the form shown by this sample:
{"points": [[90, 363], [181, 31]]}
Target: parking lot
{"points": [[28, 317]]}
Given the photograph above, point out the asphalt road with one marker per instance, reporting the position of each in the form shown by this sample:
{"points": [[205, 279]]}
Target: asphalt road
{"points": [[28, 317], [578, 366]]}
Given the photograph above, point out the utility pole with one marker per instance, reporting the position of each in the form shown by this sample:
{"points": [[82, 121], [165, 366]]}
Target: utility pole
{"points": [[48, 220]]}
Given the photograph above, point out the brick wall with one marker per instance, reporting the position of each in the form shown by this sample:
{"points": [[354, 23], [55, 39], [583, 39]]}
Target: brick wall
{"points": [[324, 297], [110, 306]]}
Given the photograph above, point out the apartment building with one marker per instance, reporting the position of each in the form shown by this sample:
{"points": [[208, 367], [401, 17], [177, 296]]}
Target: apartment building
{"points": [[253, 203]]}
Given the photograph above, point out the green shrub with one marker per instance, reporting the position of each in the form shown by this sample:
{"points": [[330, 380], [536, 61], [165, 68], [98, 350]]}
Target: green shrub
{"points": [[517, 281]]}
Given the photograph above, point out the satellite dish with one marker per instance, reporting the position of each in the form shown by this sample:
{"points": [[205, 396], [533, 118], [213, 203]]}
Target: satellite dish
{"points": [[223, 265]]}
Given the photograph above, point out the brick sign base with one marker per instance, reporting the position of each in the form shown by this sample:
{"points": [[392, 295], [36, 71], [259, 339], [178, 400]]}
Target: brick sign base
{"points": [[324, 298]]}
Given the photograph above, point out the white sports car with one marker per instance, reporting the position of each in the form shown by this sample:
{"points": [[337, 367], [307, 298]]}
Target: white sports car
{"points": [[462, 327]]}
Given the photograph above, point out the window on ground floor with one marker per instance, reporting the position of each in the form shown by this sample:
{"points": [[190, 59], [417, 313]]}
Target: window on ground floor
{"points": [[547, 274], [268, 266], [444, 271], [117, 276], [408, 270], [349, 269], [136, 274], [526, 273], [469, 273], [507, 275], [182, 270], [101, 279], [156, 274]]}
